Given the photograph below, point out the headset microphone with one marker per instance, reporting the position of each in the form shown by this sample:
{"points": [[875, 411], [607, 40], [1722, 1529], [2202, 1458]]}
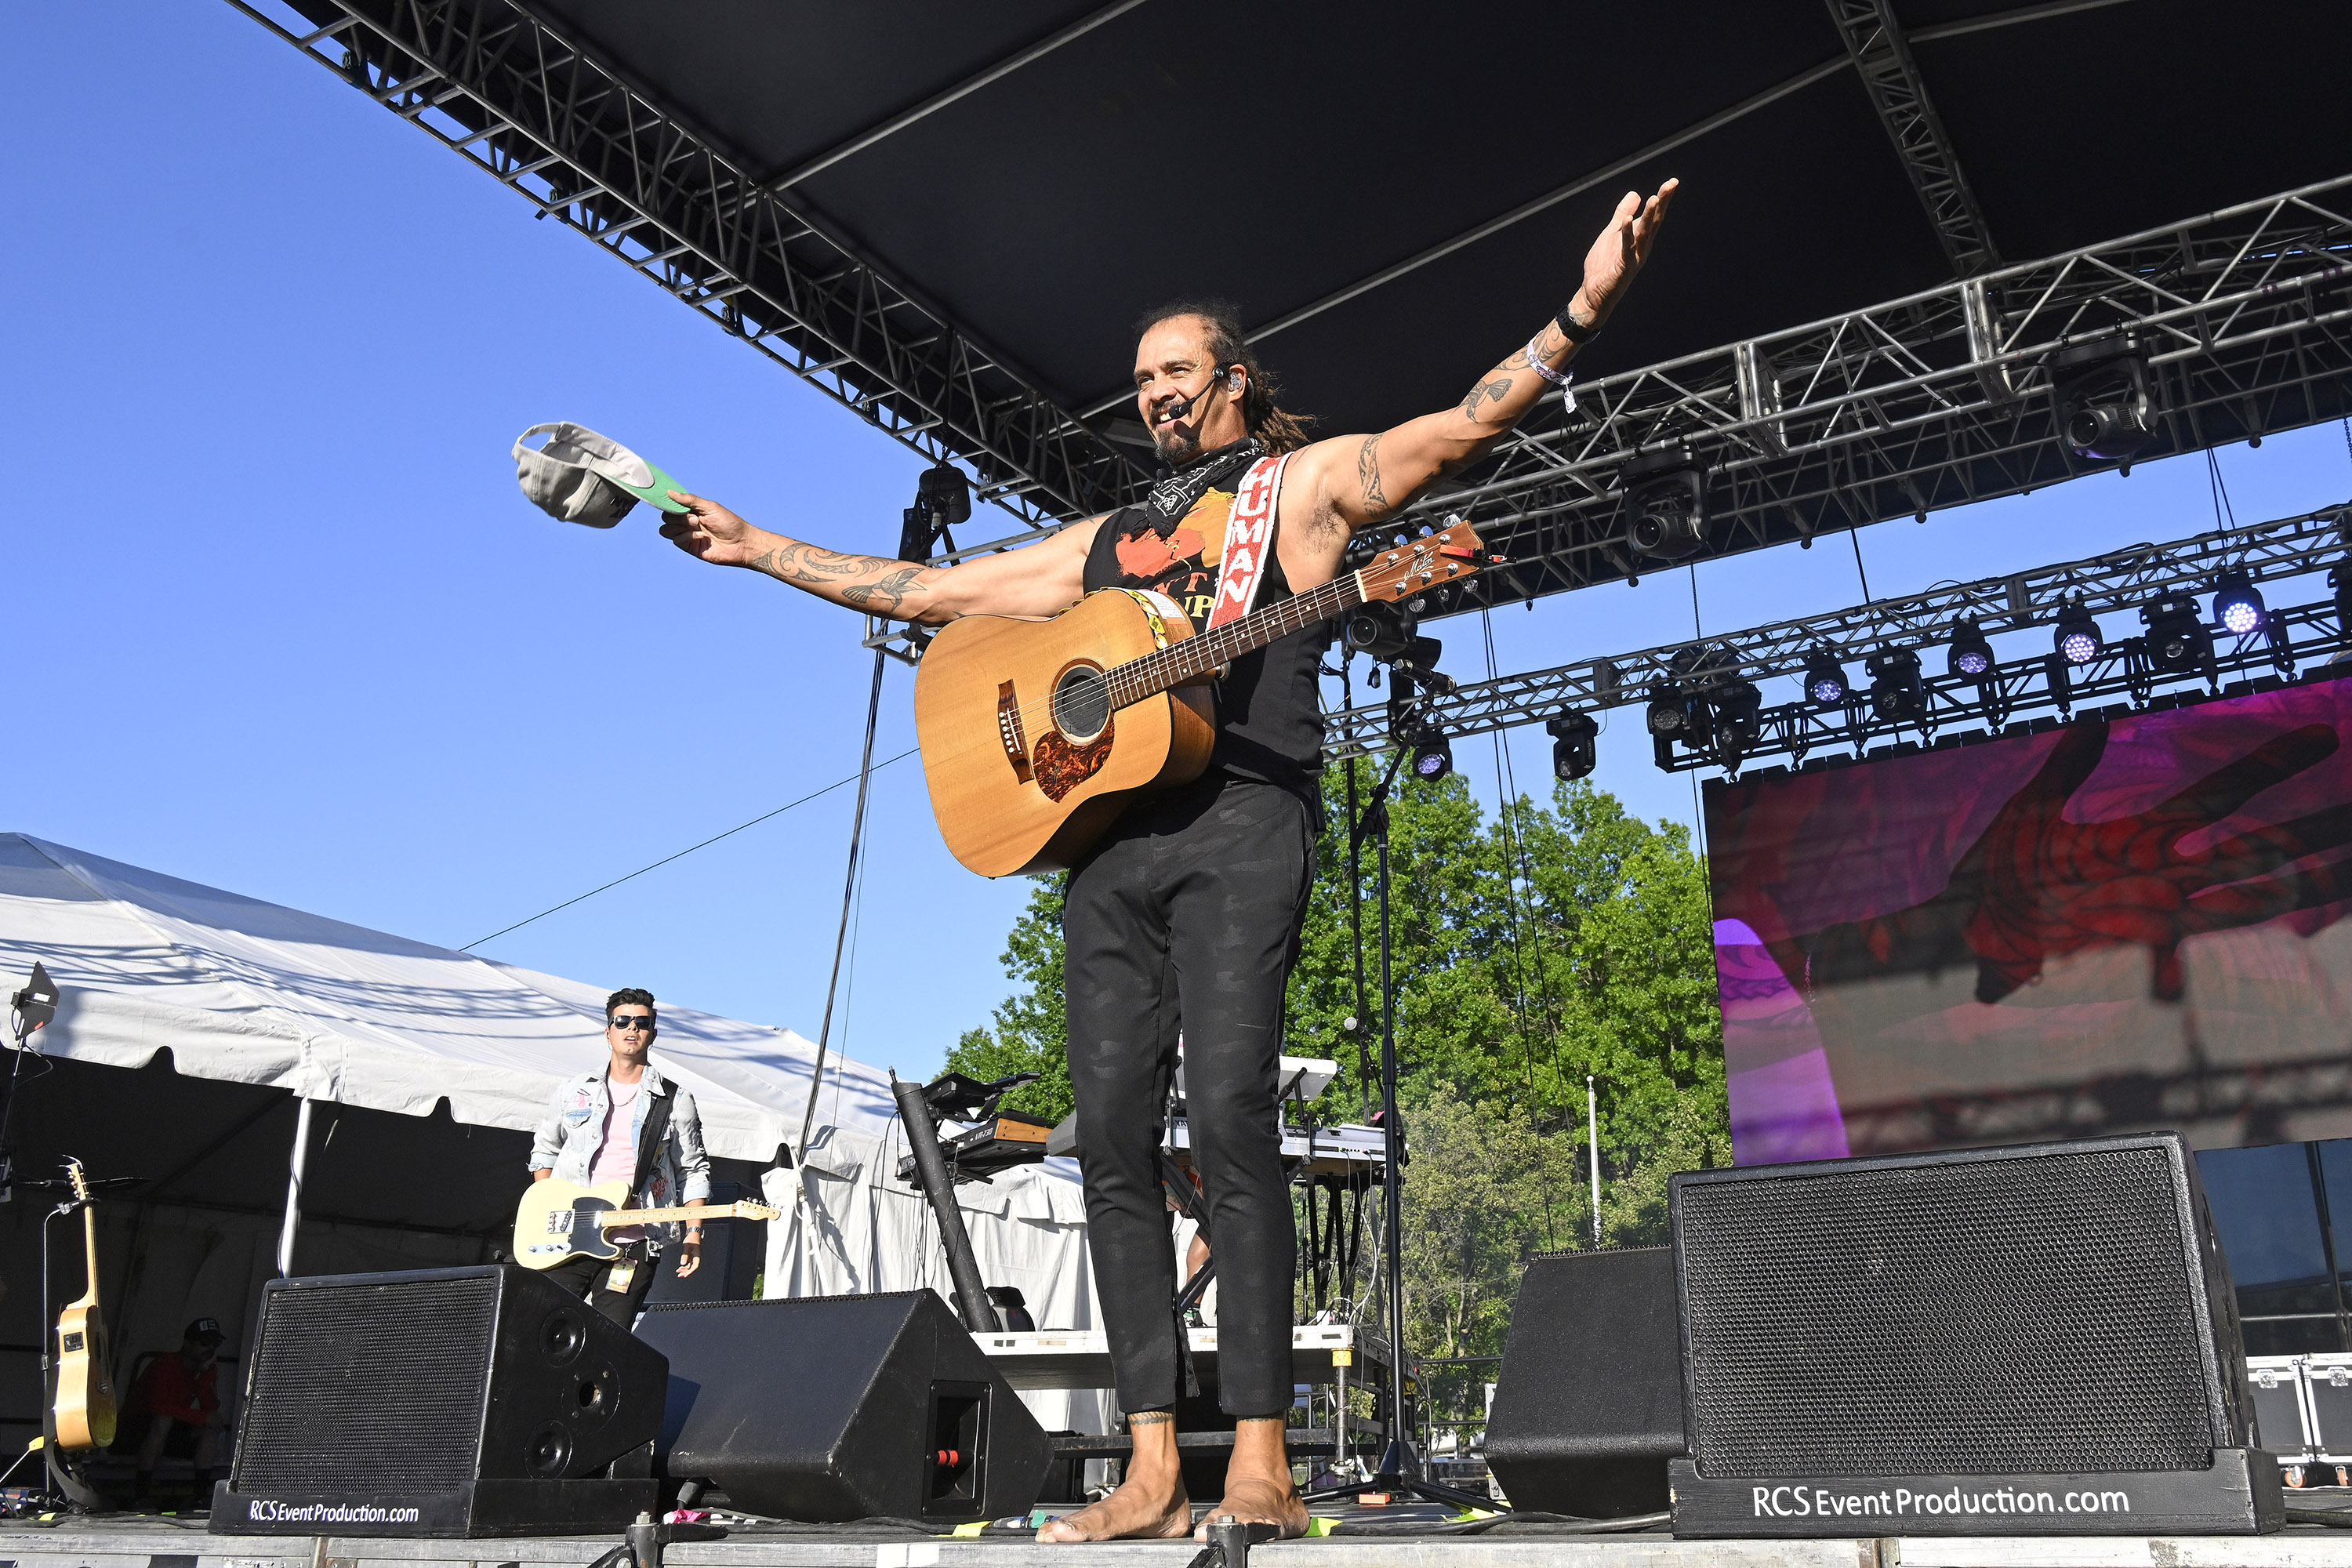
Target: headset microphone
{"points": [[1184, 406]]}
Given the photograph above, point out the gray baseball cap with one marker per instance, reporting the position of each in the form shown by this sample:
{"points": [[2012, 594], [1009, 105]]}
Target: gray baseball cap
{"points": [[582, 476]]}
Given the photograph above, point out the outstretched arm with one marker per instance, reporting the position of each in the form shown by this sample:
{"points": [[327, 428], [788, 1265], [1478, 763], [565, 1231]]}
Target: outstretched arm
{"points": [[1041, 579], [1360, 479]]}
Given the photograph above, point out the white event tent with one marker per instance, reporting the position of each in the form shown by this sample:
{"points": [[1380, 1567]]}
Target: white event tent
{"points": [[194, 1022]]}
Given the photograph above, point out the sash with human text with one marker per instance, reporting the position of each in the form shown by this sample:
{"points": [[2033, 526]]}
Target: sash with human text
{"points": [[1249, 541]]}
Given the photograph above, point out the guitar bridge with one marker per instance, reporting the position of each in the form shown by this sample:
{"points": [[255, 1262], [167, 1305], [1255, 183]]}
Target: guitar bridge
{"points": [[1009, 731]]}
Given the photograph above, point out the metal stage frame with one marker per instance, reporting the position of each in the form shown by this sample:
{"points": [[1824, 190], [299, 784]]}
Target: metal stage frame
{"points": [[1932, 400], [2121, 581]]}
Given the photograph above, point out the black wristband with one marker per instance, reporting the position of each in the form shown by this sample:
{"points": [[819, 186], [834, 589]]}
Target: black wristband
{"points": [[1569, 329]]}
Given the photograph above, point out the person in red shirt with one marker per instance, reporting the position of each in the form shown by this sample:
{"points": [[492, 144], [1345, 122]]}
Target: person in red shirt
{"points": [[179, 1389]]}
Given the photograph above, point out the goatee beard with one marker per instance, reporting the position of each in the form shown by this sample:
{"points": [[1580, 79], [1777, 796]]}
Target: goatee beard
{"points": [[1175, 444]]}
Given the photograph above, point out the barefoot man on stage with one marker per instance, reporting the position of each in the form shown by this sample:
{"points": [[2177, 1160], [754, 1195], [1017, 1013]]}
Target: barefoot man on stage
{"points": [[1186, 915]]}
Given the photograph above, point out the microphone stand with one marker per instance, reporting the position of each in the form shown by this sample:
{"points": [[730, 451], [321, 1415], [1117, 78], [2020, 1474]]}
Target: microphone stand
{"points": [[1400, 1465]]}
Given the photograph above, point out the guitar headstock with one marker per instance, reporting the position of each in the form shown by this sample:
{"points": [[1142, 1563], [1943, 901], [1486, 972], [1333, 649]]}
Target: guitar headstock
{"points": [[80, 1184], [1401, 570], [748, 1210]]}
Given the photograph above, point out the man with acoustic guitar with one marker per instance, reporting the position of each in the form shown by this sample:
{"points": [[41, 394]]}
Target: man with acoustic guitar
{"points": [[628, 1123], [1186, 913]]}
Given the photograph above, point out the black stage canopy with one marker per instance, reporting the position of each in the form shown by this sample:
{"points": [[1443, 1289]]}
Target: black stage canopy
{"points": [[1394, 198]]}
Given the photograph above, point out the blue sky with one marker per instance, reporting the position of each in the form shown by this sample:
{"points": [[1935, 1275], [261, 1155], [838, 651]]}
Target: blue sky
{"points": [[280, 621]]}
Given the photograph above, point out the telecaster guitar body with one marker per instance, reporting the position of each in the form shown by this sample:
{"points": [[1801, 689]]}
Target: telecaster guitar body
{"points": [[1021, 782], [557, 1221]]}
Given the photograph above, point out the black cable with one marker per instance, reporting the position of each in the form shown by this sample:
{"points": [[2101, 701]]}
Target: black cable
{"points": [[692, 847], [848, 892]]}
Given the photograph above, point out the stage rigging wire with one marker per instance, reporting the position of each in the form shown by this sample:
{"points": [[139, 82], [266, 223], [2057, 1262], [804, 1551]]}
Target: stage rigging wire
{"points": [[854, 778], [1514, 847]]}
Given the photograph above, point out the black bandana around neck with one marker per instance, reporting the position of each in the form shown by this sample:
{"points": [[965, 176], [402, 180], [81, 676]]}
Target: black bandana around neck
{"points": [[1176, 494]]}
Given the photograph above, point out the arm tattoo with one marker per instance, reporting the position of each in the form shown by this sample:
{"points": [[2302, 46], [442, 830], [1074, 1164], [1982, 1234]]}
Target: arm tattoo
{"points": [[891, 590], [1367, 474], [808, 565], [1488, 392]]}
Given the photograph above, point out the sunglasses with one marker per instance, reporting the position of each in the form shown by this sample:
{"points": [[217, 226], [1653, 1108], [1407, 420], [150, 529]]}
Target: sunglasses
{"points": [[624, 1022]]}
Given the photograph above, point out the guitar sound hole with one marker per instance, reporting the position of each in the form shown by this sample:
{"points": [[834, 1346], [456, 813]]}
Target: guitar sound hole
{"points": [[1081, 704]]}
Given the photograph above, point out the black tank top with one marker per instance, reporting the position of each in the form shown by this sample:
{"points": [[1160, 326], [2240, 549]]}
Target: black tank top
{"points": [[1269, 724]]}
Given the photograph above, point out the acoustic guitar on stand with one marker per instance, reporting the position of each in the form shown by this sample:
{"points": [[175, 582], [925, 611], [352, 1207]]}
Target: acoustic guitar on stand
{"points": [[1035, 735], [84, 1407], [557, 1221]]}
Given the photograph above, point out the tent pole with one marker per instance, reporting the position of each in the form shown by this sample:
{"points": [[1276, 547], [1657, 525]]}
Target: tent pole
{"points": [[294, 1189]]}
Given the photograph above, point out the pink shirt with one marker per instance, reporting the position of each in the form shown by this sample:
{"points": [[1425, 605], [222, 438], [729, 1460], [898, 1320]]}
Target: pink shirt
{"points": [[616, 1156]]}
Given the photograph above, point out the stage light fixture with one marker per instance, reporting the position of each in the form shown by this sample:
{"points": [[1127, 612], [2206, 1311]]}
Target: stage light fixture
{"points": [[1573, 754], [1665, 503], [1669, 713], [1825, 680], [2177, 638], [2077, 638], [1896, 695], [1432, 759], [1379, 630], [1971, 655], [2100, 390], [1736, 704], [2237, 602]]}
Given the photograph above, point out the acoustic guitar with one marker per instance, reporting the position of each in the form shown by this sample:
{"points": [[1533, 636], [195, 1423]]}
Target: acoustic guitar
{"points": [[85, 1400], [558, 1221], [1035, 735]]}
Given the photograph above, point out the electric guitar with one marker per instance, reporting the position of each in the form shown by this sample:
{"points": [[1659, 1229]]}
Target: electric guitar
{"points": [[1035, 735], [557, 1221], [85, 1400]]}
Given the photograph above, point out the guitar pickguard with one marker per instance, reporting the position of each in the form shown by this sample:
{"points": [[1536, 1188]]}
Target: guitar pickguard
{"points": [[1062, 767], [572, 1231]]}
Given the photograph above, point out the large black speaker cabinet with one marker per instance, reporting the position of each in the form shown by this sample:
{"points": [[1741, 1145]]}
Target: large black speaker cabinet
{"points": [[830, 1409], [1588, 1403], [2037, 1340], [482, 1401]]}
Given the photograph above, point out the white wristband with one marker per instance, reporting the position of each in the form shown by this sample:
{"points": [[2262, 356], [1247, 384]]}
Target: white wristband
{"points": [[1556, 377]]}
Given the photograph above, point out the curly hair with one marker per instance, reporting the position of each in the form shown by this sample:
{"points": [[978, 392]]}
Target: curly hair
{"points": [[1281, 430], [624, 997]]}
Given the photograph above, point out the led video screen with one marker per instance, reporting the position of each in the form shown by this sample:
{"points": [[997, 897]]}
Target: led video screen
{"points": [[2100, 928]]}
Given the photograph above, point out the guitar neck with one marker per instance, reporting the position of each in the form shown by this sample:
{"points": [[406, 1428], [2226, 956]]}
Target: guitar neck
{"points": [[89, 1251], [1203, 652], [611, 1217]]}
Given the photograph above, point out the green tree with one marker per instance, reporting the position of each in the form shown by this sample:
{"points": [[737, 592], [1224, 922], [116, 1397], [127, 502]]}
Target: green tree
{"points": [[1032, 1031], [1530, 950]]}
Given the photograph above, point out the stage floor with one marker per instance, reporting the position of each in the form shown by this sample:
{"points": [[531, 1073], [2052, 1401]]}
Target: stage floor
{"points": [[156, 1544]]}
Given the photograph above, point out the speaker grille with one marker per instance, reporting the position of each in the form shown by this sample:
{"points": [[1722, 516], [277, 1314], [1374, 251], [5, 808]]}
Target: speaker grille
{"points": [[2026, 1316], [368, 1388]]}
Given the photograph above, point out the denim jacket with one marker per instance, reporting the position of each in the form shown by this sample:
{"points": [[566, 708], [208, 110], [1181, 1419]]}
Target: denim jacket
{"points": [[568, 1136]]}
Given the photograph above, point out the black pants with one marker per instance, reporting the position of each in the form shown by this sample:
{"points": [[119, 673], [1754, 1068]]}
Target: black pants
{"points": [[1186, 917], [586, 1277]]}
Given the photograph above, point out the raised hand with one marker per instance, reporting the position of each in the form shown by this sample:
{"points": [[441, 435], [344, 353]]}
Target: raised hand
{"points": [[710, 532], [2035, 885], [1619, 252]]}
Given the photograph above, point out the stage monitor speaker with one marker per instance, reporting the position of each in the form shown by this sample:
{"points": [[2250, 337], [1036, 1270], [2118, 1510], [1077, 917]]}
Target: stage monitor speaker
{"points": [[1588, 1403], [2036, 1339], [831, 1408], [447, 1402]]}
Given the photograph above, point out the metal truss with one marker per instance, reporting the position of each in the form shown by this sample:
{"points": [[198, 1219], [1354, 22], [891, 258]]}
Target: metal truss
{"points": [[516, 98], [2121, 581], [1936, 400], [1874, 41]]}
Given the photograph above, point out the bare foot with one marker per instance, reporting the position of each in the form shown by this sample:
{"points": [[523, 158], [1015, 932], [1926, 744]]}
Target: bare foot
{"points": [[1142, 1508], [1261, 1500]]}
